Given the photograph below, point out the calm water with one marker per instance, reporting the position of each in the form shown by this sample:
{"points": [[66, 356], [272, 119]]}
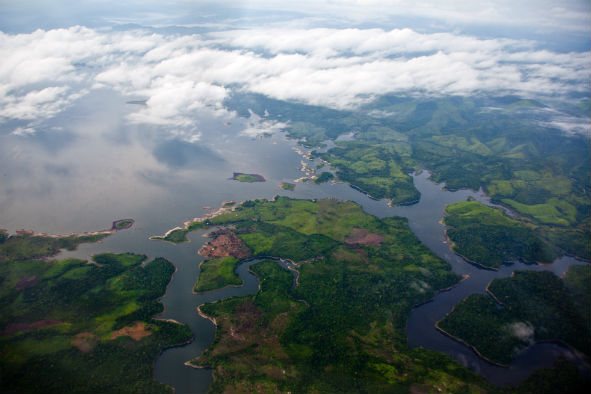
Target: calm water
{"points": [[99, 168]]}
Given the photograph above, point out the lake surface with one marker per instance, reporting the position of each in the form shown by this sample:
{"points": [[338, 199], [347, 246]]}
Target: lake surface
{"points": [[83, 176]]}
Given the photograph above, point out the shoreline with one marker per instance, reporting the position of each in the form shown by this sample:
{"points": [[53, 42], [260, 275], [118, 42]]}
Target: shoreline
{"points": [[225, 207]]}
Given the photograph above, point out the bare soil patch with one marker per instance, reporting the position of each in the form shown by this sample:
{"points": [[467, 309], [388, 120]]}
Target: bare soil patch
{"points": [[136, 332], [224, 244], [85, 341], [360, 236]]}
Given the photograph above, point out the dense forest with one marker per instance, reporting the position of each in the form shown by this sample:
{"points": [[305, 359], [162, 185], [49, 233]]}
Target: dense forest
{"points": [[73, 326]]}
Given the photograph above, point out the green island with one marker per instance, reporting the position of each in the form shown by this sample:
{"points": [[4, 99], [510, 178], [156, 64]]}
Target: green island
{"points": [[248, 178], [534, 307], [71, 326], [287, 186], [487, 236], [341, 329], [325, 176], [123, 224]]}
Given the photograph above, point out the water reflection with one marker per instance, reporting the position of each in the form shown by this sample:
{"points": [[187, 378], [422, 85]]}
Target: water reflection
{"points": [[176, 153]]}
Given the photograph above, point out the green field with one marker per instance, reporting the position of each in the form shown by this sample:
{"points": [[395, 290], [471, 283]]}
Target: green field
{"points": [[535, 306], [217, 273], [73, 327]]}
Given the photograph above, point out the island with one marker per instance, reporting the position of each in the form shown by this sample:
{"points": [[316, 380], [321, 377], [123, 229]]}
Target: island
{"points": [[324, 177], [248, 178], [122, 224], [287, 186], [94, 318]]}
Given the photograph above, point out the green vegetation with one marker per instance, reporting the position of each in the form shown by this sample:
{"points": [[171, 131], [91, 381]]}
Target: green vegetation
{"points": [[563, 378], [287, 186], [249, 178], [577, 280], [217, 273], [378, 169], [488, 237], [179, 235], [176, 236], [535, 306], [539, 172], [342, 328], [324, 177], [70, 326]]}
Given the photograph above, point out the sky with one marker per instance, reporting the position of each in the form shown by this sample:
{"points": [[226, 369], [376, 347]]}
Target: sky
{"points": [[183, 57]]}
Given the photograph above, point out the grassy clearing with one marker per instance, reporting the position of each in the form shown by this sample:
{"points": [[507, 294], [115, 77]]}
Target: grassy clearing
{"points": [[217, 273]]}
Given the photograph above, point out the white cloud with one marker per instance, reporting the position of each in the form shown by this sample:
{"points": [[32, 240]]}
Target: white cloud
{"points": [[257, 126], [43, 72], [523, 331]]}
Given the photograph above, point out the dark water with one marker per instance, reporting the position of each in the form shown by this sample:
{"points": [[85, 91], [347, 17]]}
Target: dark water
{"points": [[99, 168]]}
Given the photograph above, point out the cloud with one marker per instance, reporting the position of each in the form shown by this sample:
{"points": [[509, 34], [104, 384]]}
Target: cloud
{"points": [[179, 76], [257, 126], [523, 331]]}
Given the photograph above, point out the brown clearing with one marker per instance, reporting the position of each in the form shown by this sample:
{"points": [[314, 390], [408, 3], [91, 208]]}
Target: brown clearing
{"points": [[137, 332], [224, 244], [361, 236], [85, 341], [243, 329], [12, 328], [26, 282]]}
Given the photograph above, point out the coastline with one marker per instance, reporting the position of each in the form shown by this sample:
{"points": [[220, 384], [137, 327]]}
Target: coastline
{"points": [[225, 207]]}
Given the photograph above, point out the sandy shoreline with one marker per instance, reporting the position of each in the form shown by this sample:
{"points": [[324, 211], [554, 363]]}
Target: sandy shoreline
{"points": [[227, 206]]}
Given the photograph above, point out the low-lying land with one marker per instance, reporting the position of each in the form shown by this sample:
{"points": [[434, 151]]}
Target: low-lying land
{"points": [[287, 186], [75, 327], [534, 307]]}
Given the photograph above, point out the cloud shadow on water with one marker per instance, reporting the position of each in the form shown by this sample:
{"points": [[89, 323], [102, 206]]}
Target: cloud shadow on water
{"points": [[178, 154]]}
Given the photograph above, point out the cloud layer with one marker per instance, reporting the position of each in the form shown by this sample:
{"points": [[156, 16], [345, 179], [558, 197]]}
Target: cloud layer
{"points": [[44, 72]]}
